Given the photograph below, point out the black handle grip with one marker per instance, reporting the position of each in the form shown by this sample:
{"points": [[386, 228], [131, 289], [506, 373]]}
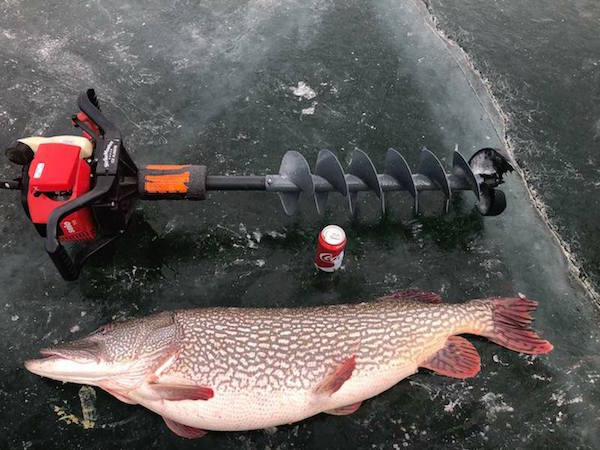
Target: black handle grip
{"points": [[67, 268], [10, 184], [88, 103]]}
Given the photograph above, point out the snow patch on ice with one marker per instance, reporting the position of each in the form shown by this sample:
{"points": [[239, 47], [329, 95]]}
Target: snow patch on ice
{"points": [[535, 376], [303, 90], [310, 110], [560, 399], [497, 360], [495, 405], [449, 408]]}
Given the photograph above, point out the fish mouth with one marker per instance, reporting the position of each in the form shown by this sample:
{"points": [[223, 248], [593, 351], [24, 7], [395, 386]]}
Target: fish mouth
{"points": [[71, 353], [66, 364]]}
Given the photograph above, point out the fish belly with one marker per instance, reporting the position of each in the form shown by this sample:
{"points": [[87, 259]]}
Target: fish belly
{"points": [[262, 408]]}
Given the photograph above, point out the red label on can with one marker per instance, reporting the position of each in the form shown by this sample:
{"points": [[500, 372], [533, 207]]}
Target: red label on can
{"points": [[330, 248]]}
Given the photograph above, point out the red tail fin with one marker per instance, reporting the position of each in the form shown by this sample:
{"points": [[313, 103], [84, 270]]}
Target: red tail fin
{"points": [[511, 322]]}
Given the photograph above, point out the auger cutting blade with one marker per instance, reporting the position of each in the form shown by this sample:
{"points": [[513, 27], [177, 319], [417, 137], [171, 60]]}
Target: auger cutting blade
{"points": [[489, 166], [328, 167], [431, 167], [397, 168], [363, 168], [461, 169], [295, 169]]}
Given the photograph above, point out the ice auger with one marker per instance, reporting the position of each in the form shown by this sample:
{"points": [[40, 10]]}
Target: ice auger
{"points": [[82, 189]]}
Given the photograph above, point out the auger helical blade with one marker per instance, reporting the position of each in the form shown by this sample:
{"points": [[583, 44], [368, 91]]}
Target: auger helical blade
{"points": [[481, 175], [397, 168], [329, 168], [295, 168], [363, 168], [431, 167], [462, 170]]}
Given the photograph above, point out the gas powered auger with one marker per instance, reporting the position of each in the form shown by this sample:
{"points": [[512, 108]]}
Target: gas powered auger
{"points": [[83, 188]]}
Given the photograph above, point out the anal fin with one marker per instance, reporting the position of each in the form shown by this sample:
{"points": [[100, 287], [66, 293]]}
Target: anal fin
{"points": [[335, 381], [344, 410], [457, 359], [184, 431], [177, 392]]}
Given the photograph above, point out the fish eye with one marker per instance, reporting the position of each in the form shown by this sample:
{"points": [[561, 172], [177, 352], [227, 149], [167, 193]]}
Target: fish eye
{"points": [[104, 329]]}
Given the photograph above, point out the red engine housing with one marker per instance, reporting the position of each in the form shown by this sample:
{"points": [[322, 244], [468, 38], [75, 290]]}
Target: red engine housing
{"points": [[57, 175]]}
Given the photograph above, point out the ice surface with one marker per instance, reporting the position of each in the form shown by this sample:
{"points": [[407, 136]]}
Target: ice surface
{"points": [[210, 83]]}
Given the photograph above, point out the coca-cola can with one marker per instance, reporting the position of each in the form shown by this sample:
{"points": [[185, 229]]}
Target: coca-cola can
{"points": [[330, 248]]}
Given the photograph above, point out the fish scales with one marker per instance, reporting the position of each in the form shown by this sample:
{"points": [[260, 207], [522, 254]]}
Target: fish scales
{"points": [[297, 348]]}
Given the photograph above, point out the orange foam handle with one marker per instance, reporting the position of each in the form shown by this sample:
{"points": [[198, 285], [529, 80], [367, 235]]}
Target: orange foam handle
{"points": [[173, 179], [165, 167]]}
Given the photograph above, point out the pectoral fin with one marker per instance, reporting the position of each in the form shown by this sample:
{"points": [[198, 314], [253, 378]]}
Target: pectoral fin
{"points": [[184, 431], [335, 381], [344, 410], [177, 392], [457, 359]]}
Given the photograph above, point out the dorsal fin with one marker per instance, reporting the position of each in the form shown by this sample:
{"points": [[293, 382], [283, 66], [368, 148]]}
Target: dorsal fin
{"points": [[335, 381], [416, 296], [457, 359]]}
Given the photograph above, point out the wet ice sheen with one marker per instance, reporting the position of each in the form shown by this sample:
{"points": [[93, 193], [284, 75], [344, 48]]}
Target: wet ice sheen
{"points": [[220, 70]]}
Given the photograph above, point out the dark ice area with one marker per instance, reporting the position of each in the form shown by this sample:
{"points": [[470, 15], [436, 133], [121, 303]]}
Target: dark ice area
{"points": [[213, 83], [542, 61]]}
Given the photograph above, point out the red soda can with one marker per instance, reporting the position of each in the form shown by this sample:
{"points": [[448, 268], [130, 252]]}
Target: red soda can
{"points": [[330, 248]]}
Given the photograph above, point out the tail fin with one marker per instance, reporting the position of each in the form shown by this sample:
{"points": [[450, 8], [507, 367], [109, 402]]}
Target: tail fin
{"points": [[511, 326]]}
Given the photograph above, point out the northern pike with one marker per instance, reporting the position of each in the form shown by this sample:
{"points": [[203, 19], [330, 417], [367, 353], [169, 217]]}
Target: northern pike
{"points": [[232, 369]]}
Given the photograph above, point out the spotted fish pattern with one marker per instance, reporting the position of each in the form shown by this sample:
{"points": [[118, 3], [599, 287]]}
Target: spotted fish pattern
{"points": [[296, 348]]}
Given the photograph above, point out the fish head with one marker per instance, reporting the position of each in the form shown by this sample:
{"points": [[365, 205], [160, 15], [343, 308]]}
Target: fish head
{"points": [[116, 355]]}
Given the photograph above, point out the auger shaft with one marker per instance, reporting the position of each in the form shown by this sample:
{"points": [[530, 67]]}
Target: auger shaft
{"points": [[278, 183], [480, 176], [236, 183]]}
